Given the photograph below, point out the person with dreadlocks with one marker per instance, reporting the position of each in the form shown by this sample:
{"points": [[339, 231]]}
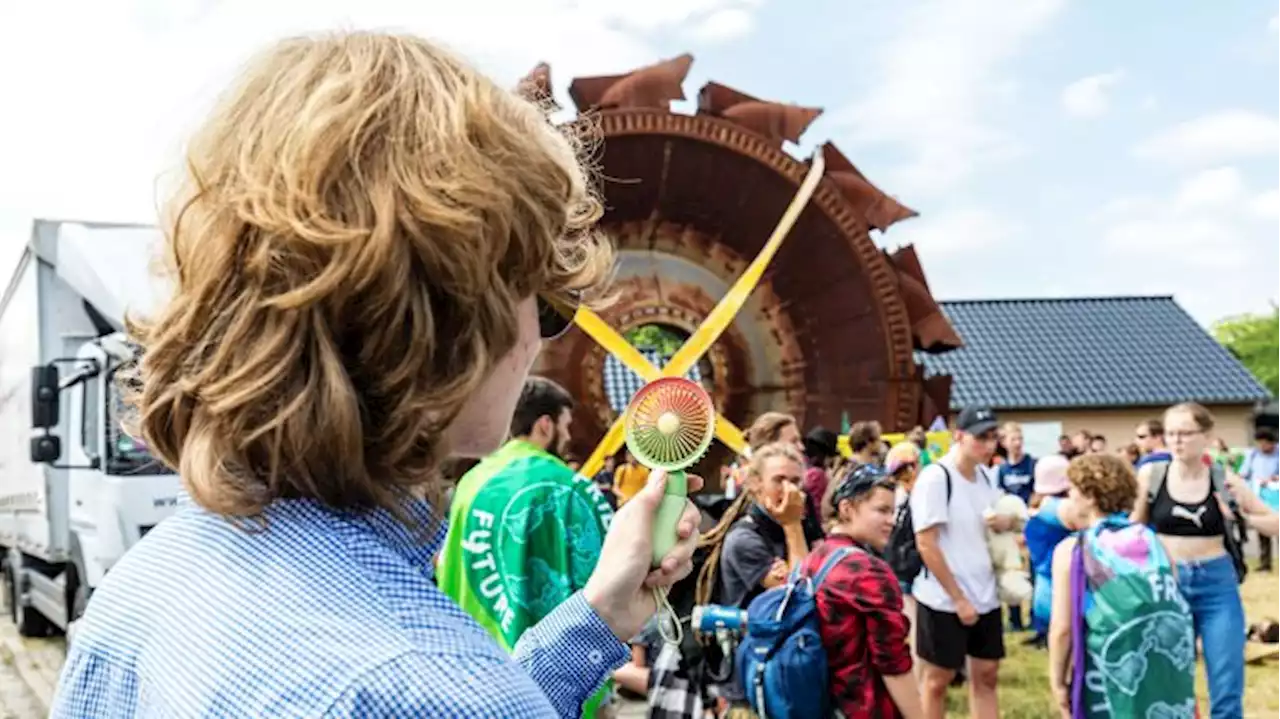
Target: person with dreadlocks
{"points": [[759, 549], [775, 427], [765, 532]]}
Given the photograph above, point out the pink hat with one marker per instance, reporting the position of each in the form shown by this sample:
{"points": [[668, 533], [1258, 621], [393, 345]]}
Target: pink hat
{"points": [[1051, 475], [900, 454]]}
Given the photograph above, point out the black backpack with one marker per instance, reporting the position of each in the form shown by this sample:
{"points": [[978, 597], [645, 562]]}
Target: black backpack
{"points": [[902, 553]]}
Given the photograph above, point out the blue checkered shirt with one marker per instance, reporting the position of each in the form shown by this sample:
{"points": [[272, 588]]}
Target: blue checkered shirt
{"points": [[314, 613]]}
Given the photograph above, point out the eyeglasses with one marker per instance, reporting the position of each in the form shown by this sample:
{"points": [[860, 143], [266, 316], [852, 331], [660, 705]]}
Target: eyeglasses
{"points": [[556, 313]]}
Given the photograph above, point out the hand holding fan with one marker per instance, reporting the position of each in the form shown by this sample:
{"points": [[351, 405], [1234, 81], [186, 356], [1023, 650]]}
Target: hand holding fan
{"points": [[669, 426]]}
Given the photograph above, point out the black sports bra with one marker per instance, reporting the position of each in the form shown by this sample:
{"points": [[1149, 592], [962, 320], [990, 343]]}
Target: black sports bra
{"points": [[1176, 519]]}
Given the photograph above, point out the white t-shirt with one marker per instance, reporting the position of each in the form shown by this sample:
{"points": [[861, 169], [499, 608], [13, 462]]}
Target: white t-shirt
{"points": [[962, 535]]}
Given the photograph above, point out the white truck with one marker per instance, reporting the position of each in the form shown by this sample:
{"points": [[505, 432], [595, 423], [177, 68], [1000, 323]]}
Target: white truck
{"points": [[76, 491]]}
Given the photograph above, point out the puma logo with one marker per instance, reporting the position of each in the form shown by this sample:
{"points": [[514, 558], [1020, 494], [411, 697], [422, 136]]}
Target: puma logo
{"points": [[1193, 517]]}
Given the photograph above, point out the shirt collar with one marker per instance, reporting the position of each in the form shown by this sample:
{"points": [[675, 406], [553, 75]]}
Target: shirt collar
{"points": [[528, 446], [417, 535], [844, 540]]}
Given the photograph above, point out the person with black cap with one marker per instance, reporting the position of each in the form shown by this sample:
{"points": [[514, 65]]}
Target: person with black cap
{"points": [[820, 451], [958, 613]]}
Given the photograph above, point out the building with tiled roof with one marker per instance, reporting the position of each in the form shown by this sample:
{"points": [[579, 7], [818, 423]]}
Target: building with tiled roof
{"points": [[1102, 364]]}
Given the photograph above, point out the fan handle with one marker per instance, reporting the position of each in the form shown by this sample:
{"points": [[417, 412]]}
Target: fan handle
{"points": [[666, 522]]}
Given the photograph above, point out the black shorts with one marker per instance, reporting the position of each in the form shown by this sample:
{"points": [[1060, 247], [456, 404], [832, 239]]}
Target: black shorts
{"points": [[942, 640]]}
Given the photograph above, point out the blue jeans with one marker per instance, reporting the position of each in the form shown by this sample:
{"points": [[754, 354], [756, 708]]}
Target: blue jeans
{"points": [[1210, 587]]}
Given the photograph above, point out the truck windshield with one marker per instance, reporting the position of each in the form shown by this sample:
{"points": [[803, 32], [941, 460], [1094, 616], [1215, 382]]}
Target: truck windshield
{"points": [[125, 454]]}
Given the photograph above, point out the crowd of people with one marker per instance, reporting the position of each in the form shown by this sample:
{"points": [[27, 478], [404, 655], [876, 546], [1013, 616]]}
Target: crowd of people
{"points": [[347, 312], [895, 643]]}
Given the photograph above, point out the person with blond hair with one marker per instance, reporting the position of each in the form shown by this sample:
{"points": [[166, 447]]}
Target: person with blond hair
{"points": [[371, 246], [762, 547], [902, 463], [757, 541], [773, 428]]}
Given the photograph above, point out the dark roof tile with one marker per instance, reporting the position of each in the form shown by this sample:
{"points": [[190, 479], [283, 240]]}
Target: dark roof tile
{"points": [[1086, 352]]}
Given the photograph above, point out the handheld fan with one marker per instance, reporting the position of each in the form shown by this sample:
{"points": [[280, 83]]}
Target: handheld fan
{"points": [[669, 425]]}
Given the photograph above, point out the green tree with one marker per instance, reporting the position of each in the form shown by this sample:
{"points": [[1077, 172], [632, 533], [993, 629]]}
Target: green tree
{"points": [[660, 338], [1255, 340]]}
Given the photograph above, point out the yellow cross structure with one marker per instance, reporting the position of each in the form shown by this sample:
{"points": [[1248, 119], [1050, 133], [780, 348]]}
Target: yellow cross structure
{"points": [[701, 340]]}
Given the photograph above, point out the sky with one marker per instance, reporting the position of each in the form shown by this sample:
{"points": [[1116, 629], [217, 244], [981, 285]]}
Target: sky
{"points": [[1053, 148]]}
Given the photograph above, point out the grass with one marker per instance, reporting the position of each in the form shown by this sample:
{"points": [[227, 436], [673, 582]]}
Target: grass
{"points": [[1024, 683]]}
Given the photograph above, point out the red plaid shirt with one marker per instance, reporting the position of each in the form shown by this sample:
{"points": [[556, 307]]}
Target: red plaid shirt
{"points": [[863, 629]]}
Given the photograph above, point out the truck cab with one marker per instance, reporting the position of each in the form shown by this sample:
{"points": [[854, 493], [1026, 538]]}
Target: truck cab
{"points": [[86, 490], [117, 492]]}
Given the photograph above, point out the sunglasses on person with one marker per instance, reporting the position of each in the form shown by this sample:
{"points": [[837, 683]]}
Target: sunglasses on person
{"points": [[556, 313]]}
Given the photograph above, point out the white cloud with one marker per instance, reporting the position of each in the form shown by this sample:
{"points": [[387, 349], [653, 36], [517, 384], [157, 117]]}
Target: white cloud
{"points": [[1274, 25], [1087, 97], [949, 231], [1216, 188], [119, 85], [652, 15], [1210, 240], [1216, 137], [1198, 241], [1125, 205], [1266, 204], [725, 24], [936, 78]]}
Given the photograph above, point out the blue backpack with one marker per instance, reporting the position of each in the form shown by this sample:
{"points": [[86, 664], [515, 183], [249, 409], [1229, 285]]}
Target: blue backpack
{"points": [[782, 664]]}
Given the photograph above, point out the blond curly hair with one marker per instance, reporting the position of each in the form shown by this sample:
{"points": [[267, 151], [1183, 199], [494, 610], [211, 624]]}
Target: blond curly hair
{"points": [[360, 218]]}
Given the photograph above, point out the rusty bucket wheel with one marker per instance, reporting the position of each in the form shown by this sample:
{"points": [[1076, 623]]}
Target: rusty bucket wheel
{"points": [[690, 200]]}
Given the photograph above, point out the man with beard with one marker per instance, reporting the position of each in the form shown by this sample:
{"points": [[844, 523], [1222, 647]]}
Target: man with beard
{"points": [[525, 530]]}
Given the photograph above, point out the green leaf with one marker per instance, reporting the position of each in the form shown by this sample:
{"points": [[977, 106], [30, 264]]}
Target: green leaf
{"points": [[1254, 339], [664, 340]]}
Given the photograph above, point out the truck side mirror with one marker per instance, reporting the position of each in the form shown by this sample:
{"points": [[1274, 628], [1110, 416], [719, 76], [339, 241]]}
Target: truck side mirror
{"points": [[45, 401], [46, 448]]}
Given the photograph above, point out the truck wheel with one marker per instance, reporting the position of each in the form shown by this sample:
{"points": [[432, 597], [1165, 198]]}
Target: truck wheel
{"points": [[30, 622], [9, 595], [79, 600]]}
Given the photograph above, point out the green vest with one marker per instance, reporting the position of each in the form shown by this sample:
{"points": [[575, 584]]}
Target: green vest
{"points": [[524, 534]]}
